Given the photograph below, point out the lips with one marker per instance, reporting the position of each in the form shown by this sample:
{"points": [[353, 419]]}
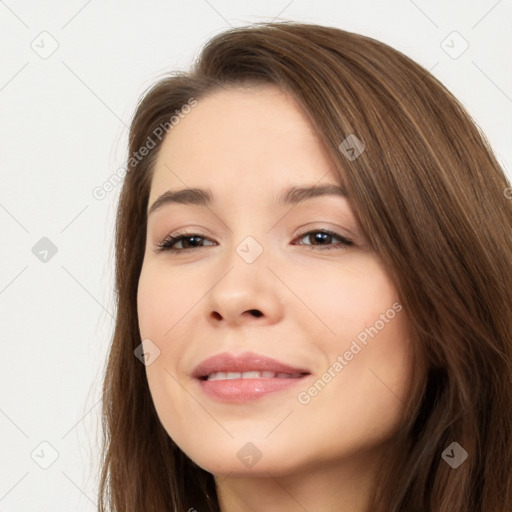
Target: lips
{"points": [[239, 378], [243, 364]]}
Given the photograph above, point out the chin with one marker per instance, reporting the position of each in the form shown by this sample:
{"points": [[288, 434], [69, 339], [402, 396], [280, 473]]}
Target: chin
{"points": [[257, 458]]}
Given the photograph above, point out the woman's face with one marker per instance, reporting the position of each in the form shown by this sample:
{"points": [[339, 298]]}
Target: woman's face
{"points": [[260, 286]]}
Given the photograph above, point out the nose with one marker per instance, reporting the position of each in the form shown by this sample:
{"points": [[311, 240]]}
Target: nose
{"points": [[246, 293]]}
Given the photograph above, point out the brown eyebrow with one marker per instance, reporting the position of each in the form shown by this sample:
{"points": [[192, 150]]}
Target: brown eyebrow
{"points": [[202, 197]]}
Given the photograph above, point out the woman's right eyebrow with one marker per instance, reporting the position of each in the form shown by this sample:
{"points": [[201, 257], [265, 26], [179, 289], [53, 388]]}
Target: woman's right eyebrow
{"points": [[204, 197], [196, 196]]}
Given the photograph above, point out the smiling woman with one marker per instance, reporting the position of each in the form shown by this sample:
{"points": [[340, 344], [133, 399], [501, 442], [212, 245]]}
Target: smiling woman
{"points": [[314, 284]]}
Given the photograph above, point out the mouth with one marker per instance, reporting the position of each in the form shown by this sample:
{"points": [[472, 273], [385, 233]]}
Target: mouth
{"points": [[251, 375], [241, 378]]}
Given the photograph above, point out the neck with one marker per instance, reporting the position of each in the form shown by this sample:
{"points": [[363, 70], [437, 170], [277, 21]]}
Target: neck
{"points": [[344, 487]]}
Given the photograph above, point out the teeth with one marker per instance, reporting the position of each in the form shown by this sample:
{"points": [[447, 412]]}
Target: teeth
{"points": [[250, 375]]}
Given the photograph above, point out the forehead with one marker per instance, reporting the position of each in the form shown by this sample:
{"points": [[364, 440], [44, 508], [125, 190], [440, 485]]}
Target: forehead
{"points": [[245, 135]]}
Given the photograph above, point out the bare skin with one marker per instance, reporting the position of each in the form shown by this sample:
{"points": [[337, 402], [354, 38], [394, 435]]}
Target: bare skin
{"points": [[303, 301]]}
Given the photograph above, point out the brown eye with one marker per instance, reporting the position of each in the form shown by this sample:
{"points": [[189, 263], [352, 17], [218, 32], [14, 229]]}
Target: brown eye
{"points": [[188, 240], [323, 239]]}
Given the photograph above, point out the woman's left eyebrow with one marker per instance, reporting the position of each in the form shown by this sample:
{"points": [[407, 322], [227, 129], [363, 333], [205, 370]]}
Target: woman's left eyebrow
{"points": [[294, 195], [204, 197]]}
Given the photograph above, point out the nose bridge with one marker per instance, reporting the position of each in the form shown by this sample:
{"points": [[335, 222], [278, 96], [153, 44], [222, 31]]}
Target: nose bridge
{"points": [[246, 264], [250, 249], [243, 287], [249, 235]]}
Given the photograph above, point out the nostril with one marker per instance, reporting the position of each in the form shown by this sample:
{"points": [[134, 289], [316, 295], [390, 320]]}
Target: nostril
{"points": [[255, 312]]}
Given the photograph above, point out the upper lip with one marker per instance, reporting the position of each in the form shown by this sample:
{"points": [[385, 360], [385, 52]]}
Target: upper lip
{"points": [[246, 362]]}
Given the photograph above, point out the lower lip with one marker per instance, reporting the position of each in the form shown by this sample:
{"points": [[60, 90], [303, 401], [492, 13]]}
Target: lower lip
{"points": [[243, 390]]}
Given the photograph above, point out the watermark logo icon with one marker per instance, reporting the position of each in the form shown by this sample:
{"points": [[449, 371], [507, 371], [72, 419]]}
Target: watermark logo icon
{"points": [[249, 455], [249, 249], [454, 455], [352, 147], [454, 45], [147, 352], [44, 250], [45, 45], [44, 455]]}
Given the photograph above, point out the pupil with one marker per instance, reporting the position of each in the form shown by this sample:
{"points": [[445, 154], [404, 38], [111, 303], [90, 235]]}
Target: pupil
{"points": [[319, 237], [191, 241]]}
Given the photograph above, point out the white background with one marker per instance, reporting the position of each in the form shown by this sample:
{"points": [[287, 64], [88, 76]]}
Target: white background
{"points": [[63, 131]]}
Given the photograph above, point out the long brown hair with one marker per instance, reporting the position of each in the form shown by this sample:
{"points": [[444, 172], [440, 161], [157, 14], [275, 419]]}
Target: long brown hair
{"points": [[431, 198]]}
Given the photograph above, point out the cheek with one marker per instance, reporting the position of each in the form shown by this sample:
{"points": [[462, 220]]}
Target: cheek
{"points": [[367, 352], [159, 308], [347, 297], [165, 307], [162, 300]]}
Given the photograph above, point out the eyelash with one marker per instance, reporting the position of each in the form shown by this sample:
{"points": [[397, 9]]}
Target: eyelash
{"points": [[168, 242]]}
